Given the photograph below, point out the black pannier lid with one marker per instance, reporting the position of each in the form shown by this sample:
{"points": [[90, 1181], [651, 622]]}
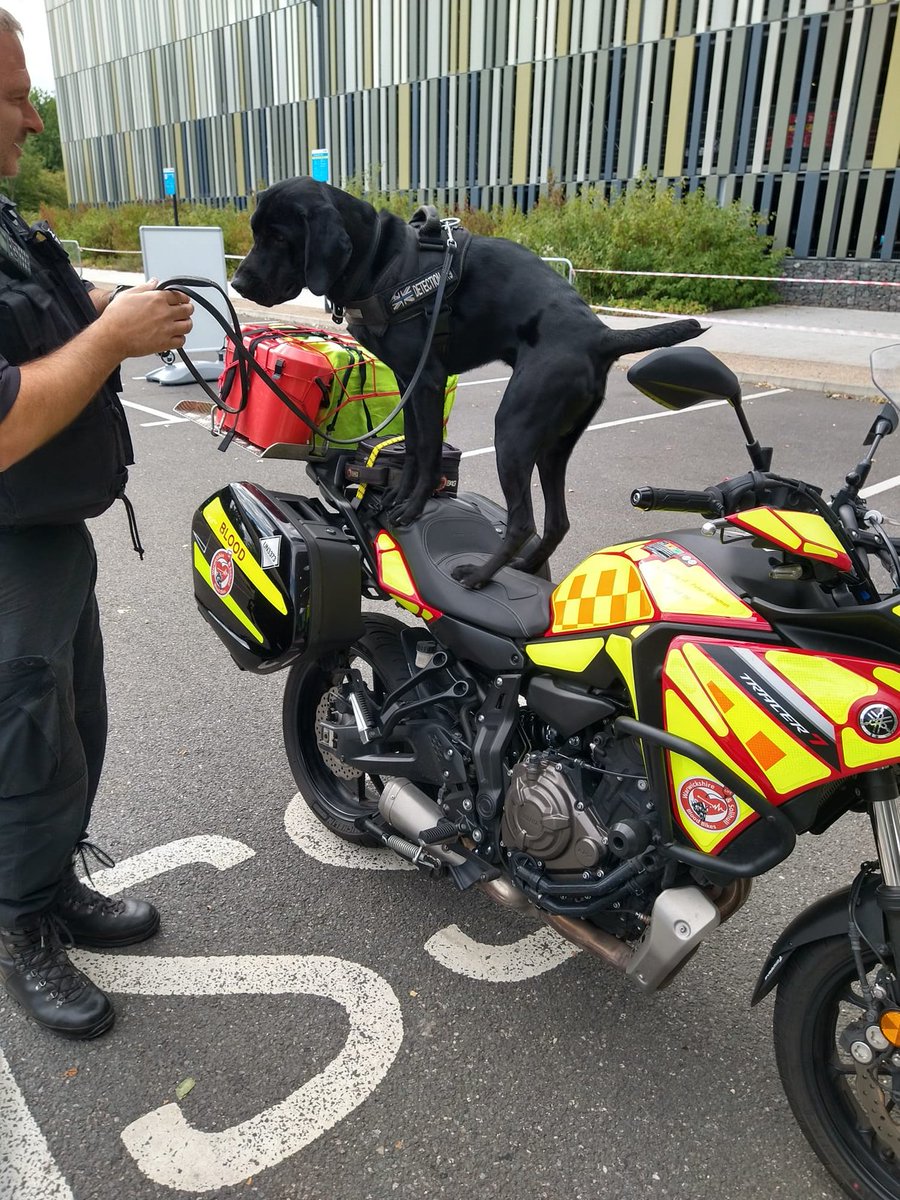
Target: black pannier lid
{"points": [[270, 581]]}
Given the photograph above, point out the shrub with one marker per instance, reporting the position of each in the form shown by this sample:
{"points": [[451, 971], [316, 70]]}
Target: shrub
{"points": [[643, 228]]}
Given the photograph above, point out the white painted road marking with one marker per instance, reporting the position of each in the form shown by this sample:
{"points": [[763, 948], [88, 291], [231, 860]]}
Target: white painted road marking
{"points": [[654, 416], [531, 955], [169, 1150], [219, 852], [508, 962], [319, 843], [884, 486], [167, 418], [30, 1172]]}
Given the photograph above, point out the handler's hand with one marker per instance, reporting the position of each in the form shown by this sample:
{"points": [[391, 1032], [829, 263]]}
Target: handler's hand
{"points": [[144, 320]]}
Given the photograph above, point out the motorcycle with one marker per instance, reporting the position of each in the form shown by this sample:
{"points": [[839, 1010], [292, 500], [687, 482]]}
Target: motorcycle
{"points": [[622, 753]]}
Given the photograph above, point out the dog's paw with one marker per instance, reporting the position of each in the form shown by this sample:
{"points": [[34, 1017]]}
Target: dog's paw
{"points": [[406, 512], [469, 576]]}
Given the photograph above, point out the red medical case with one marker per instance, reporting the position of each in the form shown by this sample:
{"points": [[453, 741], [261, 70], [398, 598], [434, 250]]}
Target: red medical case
{"points": [[304, 373]]}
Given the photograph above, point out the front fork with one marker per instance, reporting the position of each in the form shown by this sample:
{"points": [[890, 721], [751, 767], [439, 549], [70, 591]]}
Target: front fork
{"points": [[884, 805]]}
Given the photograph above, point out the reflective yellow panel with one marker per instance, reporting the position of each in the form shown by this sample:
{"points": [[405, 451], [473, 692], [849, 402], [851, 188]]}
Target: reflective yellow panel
{"points": [[888, 676], [619, 650], [860, 752], [678, 671], [603, 590], [241, 556], [681, 589], [565, 654], [831, 687]]}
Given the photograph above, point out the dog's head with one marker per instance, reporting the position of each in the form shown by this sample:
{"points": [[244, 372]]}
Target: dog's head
{"points": [[299, 241]]}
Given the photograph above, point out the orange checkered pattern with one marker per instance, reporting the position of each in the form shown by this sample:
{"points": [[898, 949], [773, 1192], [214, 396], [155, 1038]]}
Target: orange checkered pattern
{"points": [[604, 590]]}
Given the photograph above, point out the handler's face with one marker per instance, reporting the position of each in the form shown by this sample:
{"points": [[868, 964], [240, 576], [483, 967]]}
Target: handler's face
{"points": [[18, 116]]}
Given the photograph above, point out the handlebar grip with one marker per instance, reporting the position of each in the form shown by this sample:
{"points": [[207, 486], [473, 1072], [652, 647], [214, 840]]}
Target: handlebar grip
{"points": [[677, 500]]}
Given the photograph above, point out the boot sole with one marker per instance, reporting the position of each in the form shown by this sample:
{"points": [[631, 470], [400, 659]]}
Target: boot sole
{"points": [[86, 1035], [74, 1035], [131, 939]]}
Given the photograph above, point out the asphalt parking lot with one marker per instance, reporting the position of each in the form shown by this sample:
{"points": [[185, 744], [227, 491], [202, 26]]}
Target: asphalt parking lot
{"points": [[354, 1031]]}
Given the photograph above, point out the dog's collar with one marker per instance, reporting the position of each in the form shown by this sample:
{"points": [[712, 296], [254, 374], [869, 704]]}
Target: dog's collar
{"points": [[392, 302]]}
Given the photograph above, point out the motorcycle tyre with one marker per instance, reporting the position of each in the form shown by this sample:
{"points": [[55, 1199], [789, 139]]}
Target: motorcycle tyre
{"points": [[380, 647], [804, 1026]]}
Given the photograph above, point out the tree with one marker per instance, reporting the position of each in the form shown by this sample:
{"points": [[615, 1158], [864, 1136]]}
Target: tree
{"points": [[47, 144], [41, 178]]}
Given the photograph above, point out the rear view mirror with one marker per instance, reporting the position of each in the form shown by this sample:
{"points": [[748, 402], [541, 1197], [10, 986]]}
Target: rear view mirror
{"points": [[680, 377]]}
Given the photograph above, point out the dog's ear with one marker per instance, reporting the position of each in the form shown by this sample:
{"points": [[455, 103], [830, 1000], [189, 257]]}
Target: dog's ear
{"points": [[328, 245]]}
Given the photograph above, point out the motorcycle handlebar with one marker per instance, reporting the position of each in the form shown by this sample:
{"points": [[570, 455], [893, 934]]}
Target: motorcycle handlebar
{"points": [[704, 503]]}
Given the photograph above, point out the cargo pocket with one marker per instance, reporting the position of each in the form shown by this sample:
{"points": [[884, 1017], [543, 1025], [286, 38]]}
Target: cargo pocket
{"points": [[29, 726]]}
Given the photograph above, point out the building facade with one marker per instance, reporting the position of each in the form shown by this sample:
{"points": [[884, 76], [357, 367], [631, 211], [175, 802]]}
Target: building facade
{"points": [[791, 107]]}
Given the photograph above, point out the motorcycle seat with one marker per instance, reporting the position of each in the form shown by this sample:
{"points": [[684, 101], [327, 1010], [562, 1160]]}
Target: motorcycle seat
{"points": [[451, 532]]}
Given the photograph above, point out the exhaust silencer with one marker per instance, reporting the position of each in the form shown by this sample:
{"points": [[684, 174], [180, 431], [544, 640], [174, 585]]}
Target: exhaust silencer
{"points": [[409, 810]]}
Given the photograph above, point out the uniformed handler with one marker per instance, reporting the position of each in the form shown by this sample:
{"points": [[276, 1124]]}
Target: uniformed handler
{"points": [[64, 452]]}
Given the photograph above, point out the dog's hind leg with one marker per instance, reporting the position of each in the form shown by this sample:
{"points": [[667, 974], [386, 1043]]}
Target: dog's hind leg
{"points": [[551, 465], [517, 451]]}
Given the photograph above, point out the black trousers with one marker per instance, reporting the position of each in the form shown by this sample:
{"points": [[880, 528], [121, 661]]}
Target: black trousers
{"points": [[53, 717]]}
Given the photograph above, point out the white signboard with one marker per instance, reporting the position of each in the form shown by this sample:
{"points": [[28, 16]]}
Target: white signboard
{"points": [[176, 251]]}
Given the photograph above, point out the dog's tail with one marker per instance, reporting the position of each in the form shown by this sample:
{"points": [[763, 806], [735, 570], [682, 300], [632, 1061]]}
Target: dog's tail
{"points": [[652, 337]]}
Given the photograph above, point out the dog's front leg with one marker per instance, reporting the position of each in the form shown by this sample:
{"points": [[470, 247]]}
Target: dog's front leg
{"points": [[424, 437], [402, 490]]}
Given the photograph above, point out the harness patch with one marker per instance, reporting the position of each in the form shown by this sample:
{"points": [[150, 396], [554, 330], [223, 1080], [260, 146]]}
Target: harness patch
{"points": [[419, 289]]}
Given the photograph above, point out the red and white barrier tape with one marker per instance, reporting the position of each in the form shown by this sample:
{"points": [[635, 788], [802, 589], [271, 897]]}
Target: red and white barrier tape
{"points": [[707, 320], [750, 278]]}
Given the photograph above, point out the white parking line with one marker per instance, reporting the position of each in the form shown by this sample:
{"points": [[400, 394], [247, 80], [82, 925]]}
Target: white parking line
{"points": [[27, 1168], [646, 417], [168, 418], [884, 486]]}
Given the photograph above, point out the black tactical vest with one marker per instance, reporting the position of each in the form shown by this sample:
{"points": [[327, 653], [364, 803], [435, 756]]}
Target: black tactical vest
{"points": [[81, 471]]}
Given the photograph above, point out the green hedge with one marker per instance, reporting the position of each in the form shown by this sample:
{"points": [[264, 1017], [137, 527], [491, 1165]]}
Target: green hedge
{"points": [[644, 228]]}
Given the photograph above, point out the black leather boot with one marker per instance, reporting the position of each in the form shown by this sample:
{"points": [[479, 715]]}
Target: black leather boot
{"points": [[38, 973], [102, 921]]}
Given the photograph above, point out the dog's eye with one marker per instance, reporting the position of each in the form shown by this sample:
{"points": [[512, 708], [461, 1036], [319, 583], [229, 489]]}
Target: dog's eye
{"points": [[277, 239]]}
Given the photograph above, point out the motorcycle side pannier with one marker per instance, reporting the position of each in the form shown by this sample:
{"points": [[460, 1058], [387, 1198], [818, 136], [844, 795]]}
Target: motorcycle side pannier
{"points": [[273, 578]]}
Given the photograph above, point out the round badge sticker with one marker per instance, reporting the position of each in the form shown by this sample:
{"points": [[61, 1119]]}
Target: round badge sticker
{"points": [[708, 804], [221, 572]]}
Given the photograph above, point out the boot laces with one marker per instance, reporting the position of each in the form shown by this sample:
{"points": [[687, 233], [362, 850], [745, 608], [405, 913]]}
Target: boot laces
{"points": [[41, 950], [77, 893]]}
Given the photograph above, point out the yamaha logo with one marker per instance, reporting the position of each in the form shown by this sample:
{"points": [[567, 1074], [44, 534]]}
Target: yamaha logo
{"points": [[878, 721]]}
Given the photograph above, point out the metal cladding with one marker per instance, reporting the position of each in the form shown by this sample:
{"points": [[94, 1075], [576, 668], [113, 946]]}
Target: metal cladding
{"points": [[790, 106]]}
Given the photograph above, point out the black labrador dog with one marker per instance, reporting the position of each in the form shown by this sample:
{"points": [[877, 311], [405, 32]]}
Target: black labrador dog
{"points": [[504, 303]]}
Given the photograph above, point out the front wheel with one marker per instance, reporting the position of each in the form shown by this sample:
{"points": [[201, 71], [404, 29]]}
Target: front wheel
{"points": [[848, 1114], [317, 692]]}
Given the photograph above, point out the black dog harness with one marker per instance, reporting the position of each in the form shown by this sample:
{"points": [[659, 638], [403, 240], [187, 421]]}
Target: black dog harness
{"points": [[419, 273]]}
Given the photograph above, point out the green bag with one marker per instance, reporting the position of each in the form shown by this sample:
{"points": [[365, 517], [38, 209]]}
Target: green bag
{"points": [[363, 389]]}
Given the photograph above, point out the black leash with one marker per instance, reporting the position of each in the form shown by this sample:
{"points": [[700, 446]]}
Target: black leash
{"points": [[246, 361]]}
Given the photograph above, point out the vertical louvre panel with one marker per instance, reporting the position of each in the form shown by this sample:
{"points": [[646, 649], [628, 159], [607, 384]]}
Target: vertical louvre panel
{"points": [[790, 104]]}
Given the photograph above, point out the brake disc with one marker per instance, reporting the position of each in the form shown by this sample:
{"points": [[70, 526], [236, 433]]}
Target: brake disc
{"points": [[325, 713], [874, 1103]]}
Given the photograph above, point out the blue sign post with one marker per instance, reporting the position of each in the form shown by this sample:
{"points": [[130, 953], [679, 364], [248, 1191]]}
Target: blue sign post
{"points": [[169, 189], [321, 165]]}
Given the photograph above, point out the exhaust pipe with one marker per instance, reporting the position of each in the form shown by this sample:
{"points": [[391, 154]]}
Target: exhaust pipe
{"points": [[595, 941], [408, 809]]}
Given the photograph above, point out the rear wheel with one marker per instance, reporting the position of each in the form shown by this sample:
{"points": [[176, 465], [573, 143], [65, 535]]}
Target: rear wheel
{"points": [[850, 1118], [318, 691]]}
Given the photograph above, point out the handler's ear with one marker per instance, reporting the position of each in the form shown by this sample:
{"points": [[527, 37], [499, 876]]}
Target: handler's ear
{"points": [[328, 246]]}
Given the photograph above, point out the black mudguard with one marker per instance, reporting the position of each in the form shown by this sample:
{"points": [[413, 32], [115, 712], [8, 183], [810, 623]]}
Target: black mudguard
{"points": [[828, 917]]}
